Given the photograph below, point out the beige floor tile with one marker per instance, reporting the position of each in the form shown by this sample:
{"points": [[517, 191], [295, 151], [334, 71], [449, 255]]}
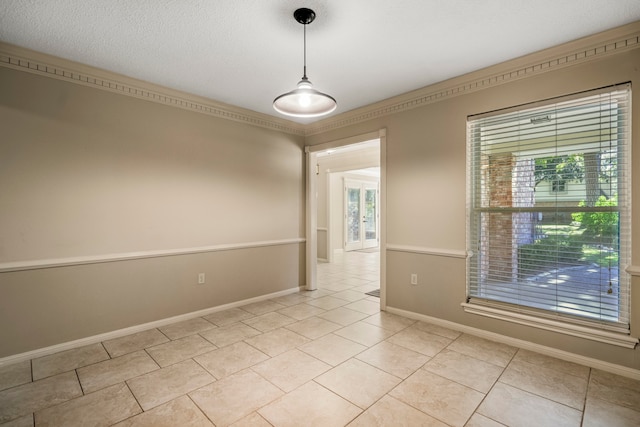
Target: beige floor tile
{"points": [[15, 374], [291, 299], [180, 412], [269, 321], [181, 349], [232, 398], [328, 302], [600, 413], [337, 286], [391, 322], [313, 327], [437, 330], [614, 388], [364, 333], [349, 295], [548, 383], [161, 386], [356, 281], [392, 412], [443, 399], [478, 420], [27, 398], [290, 370], [394, 359], [230, 359], [227, 317], [113, 371], [368, 287], [420, 341], [371, 277], [262, 307], [230, 334], [310, 405], [480, 348], [130, 343], [332, 349], [301, 311], [514, 407], [252, 420], [552, 363], [365, 306], [26, 421], [358, 382], [187, 327], [102, 408], [343, 316], [476, 374], [318, 293], [69, 360], [277, 341]]}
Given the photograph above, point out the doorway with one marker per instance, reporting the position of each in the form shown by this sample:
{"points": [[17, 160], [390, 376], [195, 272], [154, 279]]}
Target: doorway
{"points": [[317, 178]]}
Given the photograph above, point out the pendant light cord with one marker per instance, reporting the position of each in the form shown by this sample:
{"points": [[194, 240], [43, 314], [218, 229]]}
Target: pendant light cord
{"points": [[304, 70]]}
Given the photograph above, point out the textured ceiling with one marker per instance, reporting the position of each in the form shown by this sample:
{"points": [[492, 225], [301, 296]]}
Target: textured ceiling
{"points": [[247, 52]]}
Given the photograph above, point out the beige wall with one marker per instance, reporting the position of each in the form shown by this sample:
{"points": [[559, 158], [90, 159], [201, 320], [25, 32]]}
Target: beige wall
{"points": [[87, 173], [426, 194]]}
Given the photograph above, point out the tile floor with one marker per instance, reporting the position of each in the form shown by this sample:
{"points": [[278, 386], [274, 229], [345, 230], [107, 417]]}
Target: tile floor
{"points": [[322, 358]]}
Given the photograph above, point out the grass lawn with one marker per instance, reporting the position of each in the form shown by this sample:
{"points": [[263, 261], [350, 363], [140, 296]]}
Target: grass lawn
{"points": [[593, 249]]}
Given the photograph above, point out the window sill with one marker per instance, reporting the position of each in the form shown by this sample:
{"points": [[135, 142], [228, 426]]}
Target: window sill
{"points": [[612, 338]]}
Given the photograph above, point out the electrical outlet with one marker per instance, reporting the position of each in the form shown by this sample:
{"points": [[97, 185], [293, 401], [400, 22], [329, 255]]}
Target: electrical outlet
{"points": [[201, 279], [414, 279]]}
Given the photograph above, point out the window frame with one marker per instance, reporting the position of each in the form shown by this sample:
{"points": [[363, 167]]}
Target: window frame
{"points": [[522, 314]]}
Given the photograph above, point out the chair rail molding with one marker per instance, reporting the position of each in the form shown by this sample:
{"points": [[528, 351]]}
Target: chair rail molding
{"points": [[449, 253], [6, 267]]}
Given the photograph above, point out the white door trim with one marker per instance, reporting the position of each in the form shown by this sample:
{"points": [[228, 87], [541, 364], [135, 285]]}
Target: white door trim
{"points": [[311, 257]]}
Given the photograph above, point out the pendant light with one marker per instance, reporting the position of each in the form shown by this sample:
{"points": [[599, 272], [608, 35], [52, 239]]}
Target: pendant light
{"points": [[304, 101]]}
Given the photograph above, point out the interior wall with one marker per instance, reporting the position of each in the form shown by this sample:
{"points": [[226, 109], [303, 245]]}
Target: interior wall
{"points": [[426, 194], [89, 173]]}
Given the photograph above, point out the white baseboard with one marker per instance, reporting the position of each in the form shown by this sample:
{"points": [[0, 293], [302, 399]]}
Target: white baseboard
{"points": [[515, 342], [138, 328]]}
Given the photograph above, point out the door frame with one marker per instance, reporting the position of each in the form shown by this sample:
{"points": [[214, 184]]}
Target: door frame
{"points": [[311, 244]]}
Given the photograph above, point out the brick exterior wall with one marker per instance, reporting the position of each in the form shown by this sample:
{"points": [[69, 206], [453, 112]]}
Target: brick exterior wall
{"points": [[500, 253]]}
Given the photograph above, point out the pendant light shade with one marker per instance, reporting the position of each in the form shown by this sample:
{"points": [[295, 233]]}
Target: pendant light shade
{"points": [[304, 101]]}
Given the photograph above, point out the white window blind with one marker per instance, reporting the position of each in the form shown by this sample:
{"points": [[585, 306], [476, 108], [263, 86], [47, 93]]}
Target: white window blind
{"points": [[549, 208]]}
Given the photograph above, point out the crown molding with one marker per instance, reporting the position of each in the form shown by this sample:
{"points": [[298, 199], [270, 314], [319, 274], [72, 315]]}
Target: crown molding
{"points": [[22, 59], [579, 51], [595, 47]]}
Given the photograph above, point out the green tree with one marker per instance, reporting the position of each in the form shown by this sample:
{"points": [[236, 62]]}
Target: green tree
{"points": [[599, 223], [560, 168]]}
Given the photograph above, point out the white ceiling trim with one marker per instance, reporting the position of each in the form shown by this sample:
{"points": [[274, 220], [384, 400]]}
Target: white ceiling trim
{"points": [[587, 49], [46, 65], [583, 50]]}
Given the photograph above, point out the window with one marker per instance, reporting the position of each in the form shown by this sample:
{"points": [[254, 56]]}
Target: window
{"points": [[559, 186], [540, 247]]}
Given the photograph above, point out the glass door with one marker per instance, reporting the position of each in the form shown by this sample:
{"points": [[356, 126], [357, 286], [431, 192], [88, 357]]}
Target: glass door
{"points": [[370, 216], [353, 228], [361, 215]]}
